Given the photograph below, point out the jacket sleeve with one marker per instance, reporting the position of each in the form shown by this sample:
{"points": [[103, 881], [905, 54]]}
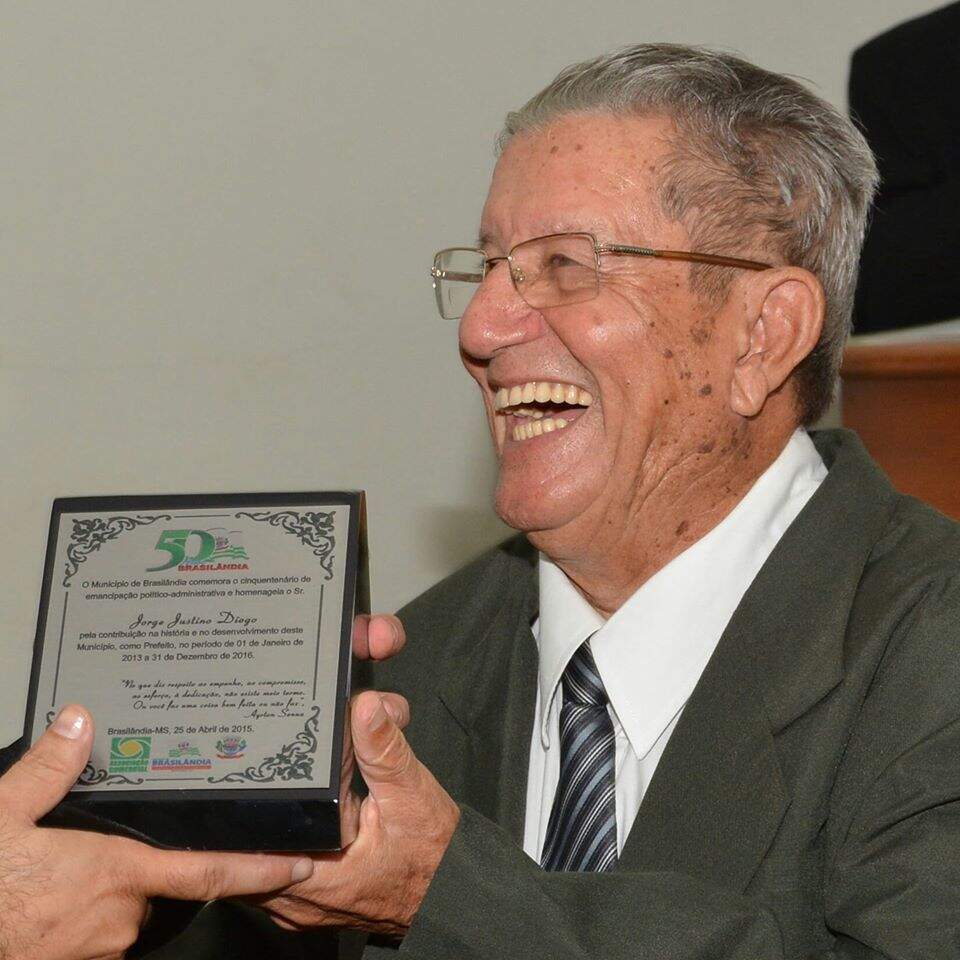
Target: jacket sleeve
{"points": [[894, 892], [489, 900]]}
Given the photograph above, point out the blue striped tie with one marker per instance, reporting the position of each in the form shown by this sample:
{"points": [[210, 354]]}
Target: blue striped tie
{"points": [[582, 833]]}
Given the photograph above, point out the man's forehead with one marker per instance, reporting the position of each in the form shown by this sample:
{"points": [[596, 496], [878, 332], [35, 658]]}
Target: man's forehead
{"points": [[586, 172]]}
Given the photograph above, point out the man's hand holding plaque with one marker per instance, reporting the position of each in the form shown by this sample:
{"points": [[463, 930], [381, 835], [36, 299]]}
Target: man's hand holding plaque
{"points": [[74, 894], [402, 827]]}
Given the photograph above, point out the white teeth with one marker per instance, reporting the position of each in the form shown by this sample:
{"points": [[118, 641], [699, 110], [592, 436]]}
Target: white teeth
{"points": [[540, 391], [534, 428]]}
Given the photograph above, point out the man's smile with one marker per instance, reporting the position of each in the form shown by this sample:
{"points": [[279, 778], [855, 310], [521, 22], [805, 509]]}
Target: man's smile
{"points": [[536, 407]]}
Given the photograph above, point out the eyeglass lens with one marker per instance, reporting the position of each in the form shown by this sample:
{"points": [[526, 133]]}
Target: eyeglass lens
{"points": [[457, 275], [555, 271], [546, 272]]}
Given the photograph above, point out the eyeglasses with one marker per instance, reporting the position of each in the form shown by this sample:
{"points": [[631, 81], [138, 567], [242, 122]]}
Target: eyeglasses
{"points": [[551, 271]]}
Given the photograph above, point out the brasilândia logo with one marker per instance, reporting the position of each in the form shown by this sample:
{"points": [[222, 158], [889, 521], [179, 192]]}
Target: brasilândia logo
{"points": [[202, 550]]}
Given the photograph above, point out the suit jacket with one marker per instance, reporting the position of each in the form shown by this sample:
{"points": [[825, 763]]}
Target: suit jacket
{"points": [[808, 802], [903, 93]]}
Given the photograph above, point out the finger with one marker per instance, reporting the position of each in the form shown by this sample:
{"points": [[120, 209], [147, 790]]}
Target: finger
{"points": [[39, 780], [349, 819], [361, 625], [386, 636], [397, 708], [186, 875], [378, 636], [382, 752]]}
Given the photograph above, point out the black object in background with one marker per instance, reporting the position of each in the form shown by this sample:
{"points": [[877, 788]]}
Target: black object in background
{"points": [[905, 94]]}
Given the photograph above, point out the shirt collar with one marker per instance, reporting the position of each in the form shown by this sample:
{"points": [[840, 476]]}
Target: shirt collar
{"points": [[652, 651]]}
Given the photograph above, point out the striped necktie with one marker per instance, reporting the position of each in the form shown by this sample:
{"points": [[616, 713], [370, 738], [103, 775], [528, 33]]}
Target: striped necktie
{"points": [[582, 833]]}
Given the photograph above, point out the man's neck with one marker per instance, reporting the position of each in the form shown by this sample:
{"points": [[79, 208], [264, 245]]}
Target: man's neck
{"points": [[608, 559]]}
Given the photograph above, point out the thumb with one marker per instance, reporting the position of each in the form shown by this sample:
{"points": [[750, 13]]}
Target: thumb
{"points": [[39, 780], [382, 752]]}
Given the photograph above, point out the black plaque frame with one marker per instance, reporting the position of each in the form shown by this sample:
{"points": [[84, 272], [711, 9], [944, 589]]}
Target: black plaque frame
{"points": [[266, 818]]}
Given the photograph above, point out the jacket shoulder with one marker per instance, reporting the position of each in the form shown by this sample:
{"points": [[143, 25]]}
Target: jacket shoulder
{"points": [[918, 549], [472, 590], [442, 623], [903, 658]]}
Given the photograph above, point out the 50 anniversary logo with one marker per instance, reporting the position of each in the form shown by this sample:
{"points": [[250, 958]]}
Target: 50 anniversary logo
{"points": [[202, 550]]}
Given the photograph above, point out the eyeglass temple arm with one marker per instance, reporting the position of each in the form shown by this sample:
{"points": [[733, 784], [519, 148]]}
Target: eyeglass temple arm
{"points": [[683, 255]]}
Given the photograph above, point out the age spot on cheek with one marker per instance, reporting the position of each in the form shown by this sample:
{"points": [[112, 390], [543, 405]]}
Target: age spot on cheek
{"points": [[706, 390]]}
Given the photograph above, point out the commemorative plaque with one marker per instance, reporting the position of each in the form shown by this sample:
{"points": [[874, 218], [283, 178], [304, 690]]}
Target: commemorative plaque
{"points": [[209, 636]]}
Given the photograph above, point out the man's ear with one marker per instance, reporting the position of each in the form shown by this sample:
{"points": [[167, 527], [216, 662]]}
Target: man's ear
{"points": [[784, 316]]}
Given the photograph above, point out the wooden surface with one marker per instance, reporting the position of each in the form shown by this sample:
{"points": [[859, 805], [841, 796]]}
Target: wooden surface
{"points": [[904, 401]]}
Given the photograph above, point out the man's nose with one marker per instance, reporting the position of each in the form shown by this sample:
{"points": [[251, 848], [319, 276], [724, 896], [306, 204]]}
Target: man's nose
{"points": [[497, 317]]}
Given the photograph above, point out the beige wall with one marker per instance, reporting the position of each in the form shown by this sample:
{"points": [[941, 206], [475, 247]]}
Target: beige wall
{"points": [[217, 224]]}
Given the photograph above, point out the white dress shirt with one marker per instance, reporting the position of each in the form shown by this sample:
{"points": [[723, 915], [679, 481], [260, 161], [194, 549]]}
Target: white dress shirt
{"points": [[652, 651]]}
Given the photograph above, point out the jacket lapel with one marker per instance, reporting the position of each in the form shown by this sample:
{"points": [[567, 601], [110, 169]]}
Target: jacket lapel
{"points": [[493, 699], [718, 795]]}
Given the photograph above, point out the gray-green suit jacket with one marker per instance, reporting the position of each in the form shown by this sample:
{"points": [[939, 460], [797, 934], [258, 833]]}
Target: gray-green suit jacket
{"points": [[808, 802]]}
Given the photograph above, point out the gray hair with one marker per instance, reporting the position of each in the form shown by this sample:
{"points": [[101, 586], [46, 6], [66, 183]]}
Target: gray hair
{"points": [[760, 160]]}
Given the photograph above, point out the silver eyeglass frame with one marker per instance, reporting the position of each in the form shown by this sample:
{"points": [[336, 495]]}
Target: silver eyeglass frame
{"points": [[600, 249]]}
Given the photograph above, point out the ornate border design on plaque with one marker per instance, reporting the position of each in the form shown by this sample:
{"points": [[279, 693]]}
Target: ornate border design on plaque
{"points": [[314, 528], [90, 535], [291, 762], [93, 776]]}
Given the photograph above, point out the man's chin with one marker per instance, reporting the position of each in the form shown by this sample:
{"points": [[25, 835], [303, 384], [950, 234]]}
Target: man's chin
{"points": [[533, 512]]}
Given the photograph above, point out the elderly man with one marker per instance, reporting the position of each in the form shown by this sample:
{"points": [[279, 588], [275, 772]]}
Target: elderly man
{"points": [[706, 706], [713, 712]]}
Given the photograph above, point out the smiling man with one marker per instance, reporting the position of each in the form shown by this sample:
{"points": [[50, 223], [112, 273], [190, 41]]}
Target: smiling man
{"points": [[705, 705], [624, 400]]}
